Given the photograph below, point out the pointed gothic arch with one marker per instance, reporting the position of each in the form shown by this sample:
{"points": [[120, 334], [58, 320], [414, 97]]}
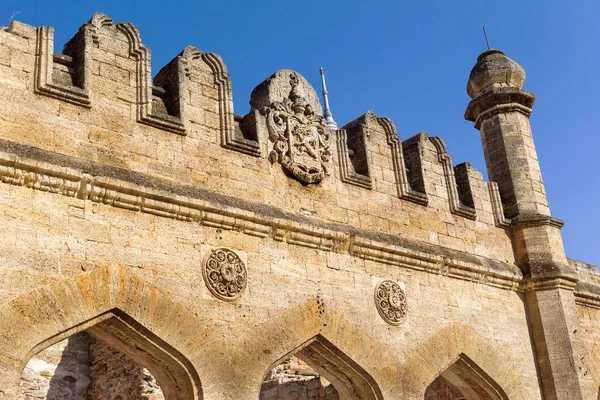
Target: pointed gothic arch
{"points": [[352, 361], [350, 380], [114, 305], [468, 381], [464, 360]]}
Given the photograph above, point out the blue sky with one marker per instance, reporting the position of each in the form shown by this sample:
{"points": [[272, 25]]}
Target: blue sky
{"points": [[406, 60]]}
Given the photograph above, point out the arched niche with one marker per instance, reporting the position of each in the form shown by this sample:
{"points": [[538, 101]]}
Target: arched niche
{"points": [[350, 380], [112, 304], [464, 380]]}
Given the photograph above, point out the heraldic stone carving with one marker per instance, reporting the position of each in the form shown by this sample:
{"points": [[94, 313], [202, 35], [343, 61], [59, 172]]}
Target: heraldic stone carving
{"points": [[224, 274], [390, 302], [300, 136]]}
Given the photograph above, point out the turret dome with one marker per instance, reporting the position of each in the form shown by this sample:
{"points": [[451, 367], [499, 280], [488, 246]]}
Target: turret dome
{"points": [[494, 69]]}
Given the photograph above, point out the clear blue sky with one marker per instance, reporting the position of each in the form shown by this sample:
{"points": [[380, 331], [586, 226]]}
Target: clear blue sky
{"points": [[406, 60]]}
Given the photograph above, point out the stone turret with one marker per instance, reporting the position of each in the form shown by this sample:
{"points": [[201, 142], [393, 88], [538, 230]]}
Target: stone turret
{"points": [[500, 109]]}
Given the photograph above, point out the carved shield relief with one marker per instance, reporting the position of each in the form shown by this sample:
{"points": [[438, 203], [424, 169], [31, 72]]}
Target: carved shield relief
{"points": [[300, 137]]}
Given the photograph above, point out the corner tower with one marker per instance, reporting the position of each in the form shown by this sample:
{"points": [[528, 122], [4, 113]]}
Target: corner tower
{"points": [[500, 109]]}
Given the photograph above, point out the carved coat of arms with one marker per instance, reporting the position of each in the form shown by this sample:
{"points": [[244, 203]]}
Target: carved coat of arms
{"points": [[300, 137]]}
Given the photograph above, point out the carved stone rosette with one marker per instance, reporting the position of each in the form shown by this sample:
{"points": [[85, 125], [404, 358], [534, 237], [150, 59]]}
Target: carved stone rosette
{"points": [[300, 137], [224, 274], [390, 301]]}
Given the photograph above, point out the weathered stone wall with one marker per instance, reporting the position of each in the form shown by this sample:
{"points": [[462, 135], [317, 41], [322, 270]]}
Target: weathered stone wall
{"points": [[294, 379], [306, 389], [108, 133], [114, 374], [168, 254], [440, 389], [588, 312], [59, 372], [589, 319], [154, 217], [85, 368]]}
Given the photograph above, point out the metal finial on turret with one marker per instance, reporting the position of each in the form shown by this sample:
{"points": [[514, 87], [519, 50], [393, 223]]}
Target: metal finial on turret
{"points": [[327, 113], [487, 42]]}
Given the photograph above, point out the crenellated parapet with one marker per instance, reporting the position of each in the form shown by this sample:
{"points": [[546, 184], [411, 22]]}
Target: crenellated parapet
{"points": [[98, 101]]}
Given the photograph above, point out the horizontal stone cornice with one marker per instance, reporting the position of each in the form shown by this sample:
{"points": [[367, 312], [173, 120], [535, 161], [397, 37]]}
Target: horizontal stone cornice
{"points": [[497, 101], [535, 220], [541, 284], [43, 170], [587, 295]]}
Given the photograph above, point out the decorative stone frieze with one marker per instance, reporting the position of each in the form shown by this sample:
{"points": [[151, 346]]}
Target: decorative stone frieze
{"points": [[224, 274], [390, 301]]}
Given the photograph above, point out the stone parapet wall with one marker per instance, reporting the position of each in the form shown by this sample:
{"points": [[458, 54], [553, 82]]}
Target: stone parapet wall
{"points": [[105, 115]]}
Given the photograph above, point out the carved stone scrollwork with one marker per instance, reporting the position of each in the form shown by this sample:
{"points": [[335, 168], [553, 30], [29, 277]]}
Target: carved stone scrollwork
{"points": [[390, 301], [224, 274], [300, 136]]}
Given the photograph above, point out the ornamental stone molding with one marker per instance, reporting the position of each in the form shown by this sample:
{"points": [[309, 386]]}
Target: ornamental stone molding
{"points": [[390, 301], [45, 171], [299, 134], [224, 274]]}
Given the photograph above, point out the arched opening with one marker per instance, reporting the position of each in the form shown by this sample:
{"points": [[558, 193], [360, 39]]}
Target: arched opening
{"points": [[109, 357], [83, 367], [295, 379], [317, 370], [464, 380]]}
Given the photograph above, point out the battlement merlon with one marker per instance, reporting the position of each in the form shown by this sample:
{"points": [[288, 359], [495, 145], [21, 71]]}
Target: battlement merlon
{"points": [[98, 102]]}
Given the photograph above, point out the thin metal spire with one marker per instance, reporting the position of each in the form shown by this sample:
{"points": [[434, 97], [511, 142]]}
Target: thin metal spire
{"points": [[486, 38], [327, 113]]}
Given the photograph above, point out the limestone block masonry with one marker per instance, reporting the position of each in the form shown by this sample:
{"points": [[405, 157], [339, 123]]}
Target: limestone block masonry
{"points": [[209, 247]]}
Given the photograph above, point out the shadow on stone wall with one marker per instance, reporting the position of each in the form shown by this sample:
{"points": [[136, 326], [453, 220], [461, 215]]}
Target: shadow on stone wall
{"points": [[59, 372], [71, 378]]}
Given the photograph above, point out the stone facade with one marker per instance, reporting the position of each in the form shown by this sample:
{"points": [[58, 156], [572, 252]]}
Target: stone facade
{"points": [[210, 247]]}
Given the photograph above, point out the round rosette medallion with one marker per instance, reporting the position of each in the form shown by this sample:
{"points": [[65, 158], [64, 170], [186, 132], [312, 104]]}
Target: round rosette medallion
{"points": [[390, 301], [224, 274]]}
